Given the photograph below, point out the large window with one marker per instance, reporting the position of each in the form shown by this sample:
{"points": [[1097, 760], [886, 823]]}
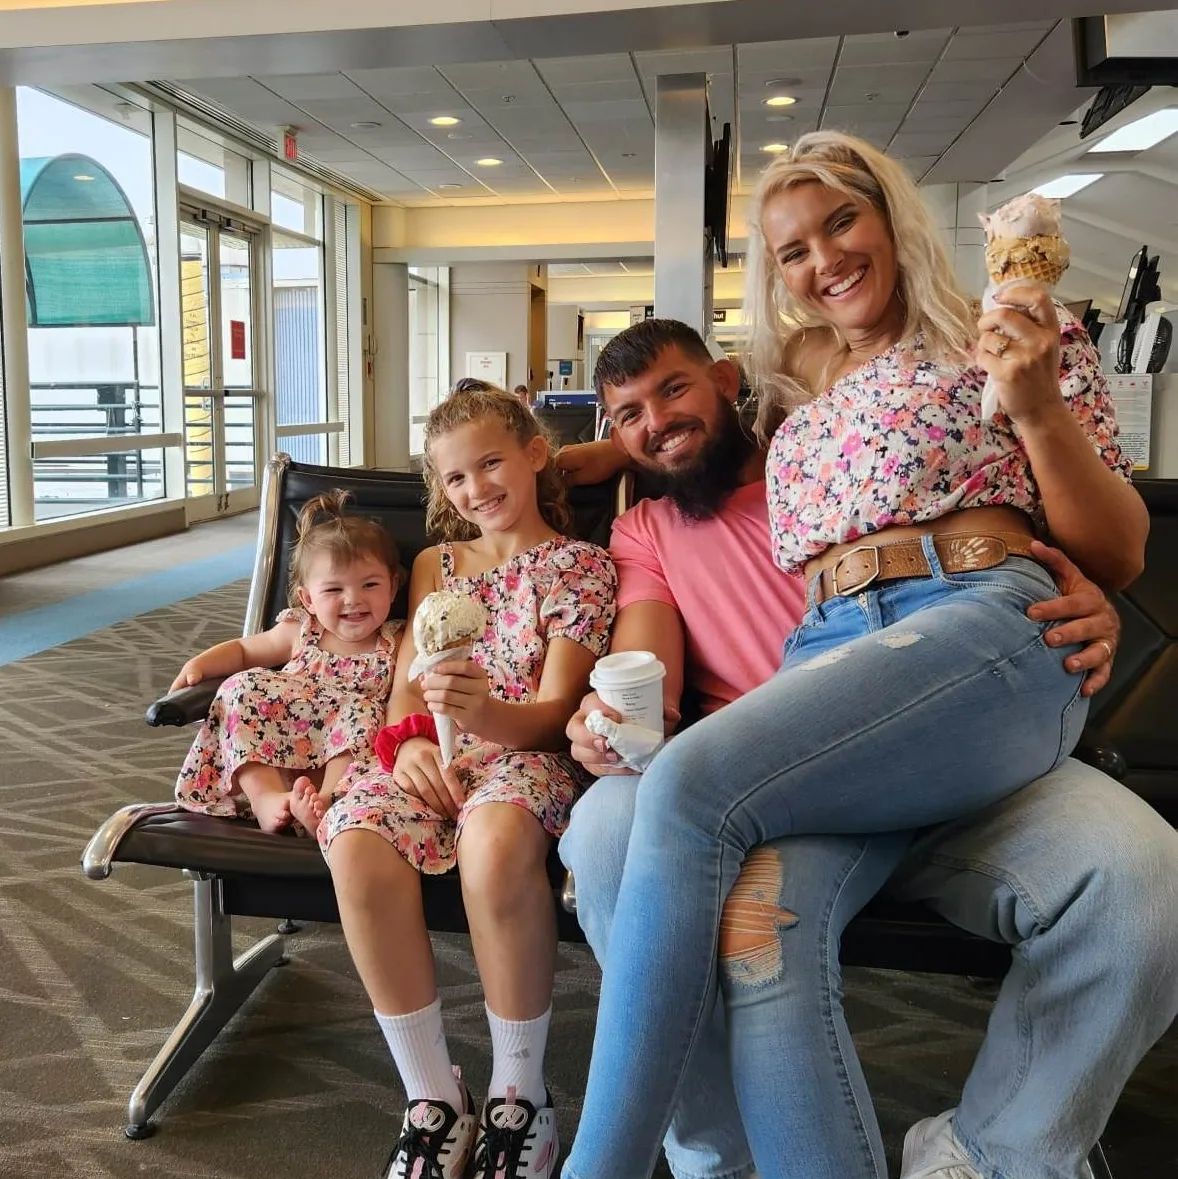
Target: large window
{"points": [[300, 362], [206, 164], [94, 346]]}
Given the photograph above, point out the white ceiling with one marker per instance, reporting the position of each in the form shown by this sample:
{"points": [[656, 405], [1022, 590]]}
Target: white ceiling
{"points": [[575, 128], [1134, 204]]}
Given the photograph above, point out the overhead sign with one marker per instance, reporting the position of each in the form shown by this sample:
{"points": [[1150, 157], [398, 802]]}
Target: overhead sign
{"points": [[290, 143]]}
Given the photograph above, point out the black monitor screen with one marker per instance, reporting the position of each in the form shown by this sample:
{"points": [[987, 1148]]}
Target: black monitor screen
{"points": [[1135, 268]]}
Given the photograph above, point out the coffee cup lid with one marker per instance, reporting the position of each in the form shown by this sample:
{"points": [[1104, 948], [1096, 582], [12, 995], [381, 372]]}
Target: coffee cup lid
{"points": [[625, 666]]}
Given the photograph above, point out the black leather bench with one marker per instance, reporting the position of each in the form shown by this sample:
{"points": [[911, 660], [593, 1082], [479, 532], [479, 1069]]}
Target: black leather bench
{"points": [[239, 871]]}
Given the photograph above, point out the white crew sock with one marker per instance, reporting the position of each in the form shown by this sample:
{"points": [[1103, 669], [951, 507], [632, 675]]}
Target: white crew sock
{"points": [[418, 1045], [518, 1056]]}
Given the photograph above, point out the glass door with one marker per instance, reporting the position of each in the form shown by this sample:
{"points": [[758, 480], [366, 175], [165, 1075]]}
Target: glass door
{"points": [[219, 286]]}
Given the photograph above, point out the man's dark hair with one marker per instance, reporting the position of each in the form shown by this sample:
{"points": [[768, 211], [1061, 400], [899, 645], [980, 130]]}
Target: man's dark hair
{"points": [[631, 352]]}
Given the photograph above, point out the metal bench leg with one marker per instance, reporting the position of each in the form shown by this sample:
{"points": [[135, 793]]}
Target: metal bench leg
{"points": [[1099, 1164], [222, 986]]}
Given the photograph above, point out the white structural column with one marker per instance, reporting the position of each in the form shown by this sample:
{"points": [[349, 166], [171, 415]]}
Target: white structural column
{"points": [[167, 219], [682, 261], [15, 323], [390, 302], [956, 209]]}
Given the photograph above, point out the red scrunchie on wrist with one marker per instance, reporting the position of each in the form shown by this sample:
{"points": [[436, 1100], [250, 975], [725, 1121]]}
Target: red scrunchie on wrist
{"points": [[392, 737]]}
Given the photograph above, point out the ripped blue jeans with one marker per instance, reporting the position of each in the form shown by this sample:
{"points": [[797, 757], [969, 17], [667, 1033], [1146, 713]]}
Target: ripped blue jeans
{"points": [[912, 703]]}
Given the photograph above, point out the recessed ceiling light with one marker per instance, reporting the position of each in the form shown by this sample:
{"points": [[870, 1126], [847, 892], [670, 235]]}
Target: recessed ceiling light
{"points": [[366, 125], [488, 162], [83, 176], [780, 100], [1065, 186], [782, 83], [779, 118], [448, 187], [1141, 133], [775, 148], [445, 121]]}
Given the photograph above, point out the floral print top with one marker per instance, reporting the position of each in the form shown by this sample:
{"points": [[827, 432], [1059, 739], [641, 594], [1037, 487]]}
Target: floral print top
{"points": [[901, 440], [560, 589]]}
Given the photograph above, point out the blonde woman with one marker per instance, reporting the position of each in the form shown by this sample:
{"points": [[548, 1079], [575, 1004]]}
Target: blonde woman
{"points": [[916, 690]]}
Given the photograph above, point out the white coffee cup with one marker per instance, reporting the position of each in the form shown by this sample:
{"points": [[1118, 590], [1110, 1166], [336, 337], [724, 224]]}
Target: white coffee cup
{"points": [[631, 683]]}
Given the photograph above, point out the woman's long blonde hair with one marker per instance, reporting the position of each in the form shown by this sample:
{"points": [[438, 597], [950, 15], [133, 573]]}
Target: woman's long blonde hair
{"points": [[933, 304], [472, 401]]}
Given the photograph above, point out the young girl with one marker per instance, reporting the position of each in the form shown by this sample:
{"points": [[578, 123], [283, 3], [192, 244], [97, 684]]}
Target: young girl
{"points": [[325, 705], [495, 809]]}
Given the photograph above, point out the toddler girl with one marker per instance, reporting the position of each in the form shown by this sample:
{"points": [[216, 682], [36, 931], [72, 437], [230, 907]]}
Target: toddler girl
{"points": [[325, 705], [495, 496]]}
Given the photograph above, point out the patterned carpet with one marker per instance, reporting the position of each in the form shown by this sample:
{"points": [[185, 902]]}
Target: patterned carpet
{"points": [[93, 976]]}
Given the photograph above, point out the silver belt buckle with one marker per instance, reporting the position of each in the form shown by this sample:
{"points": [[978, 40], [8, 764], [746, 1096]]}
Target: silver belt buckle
{"points": [[863, 583]]}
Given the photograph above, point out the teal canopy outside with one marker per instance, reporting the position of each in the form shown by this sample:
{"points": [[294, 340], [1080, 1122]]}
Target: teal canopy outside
{"points": [[86, 263]]}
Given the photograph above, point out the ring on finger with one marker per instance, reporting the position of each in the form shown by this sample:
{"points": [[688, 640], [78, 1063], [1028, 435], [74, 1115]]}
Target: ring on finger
{"points": [[1108, 647], [1002, 345]]}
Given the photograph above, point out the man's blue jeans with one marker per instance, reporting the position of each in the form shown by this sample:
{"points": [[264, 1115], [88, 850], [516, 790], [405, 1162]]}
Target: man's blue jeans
{"points": [[1075, 872], [913, 703]]}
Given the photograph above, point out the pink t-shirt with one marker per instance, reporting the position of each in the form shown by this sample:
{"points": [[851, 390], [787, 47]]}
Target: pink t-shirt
{"points": [[737, 607]]}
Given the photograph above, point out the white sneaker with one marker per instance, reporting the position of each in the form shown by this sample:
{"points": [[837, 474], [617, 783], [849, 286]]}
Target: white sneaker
{"points": [[436, 1140], [516, 1139], [931, 1151]]}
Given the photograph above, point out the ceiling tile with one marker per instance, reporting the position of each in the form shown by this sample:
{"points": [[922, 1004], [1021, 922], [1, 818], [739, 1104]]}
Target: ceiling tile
{"points": [[685, 61], [318, 86], [787, 57], [994, 70], [897, 83], [564, 71], [400, 80], [921, 143], [979, 44], [886, 48]]}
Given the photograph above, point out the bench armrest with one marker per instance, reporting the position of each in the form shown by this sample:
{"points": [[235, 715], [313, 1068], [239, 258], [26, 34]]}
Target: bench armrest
{"points": [[104, 843], [185, 706], [1105, 758]]}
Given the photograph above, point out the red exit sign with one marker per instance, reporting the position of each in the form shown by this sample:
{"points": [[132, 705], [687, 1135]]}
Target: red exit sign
{"points": [[290, 144]]}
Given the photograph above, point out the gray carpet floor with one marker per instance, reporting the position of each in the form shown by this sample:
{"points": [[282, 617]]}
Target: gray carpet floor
{"points": [[93, 976]]}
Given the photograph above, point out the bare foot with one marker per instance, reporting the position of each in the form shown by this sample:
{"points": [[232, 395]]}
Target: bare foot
{"points": [[272, 810], [306, 805]]}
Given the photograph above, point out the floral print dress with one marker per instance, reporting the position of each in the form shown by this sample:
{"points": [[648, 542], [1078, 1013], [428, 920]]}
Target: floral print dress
{"points": [[902, 440], [559, 589], [317, 707]]}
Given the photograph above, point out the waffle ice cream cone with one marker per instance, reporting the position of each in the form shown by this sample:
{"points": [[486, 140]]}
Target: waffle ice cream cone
{"points": [[1040, 258]]}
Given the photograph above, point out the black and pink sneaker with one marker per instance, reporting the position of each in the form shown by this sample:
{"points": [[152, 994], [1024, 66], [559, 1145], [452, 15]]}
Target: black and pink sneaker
{"points": [[436, 1140], [516, 1139]]}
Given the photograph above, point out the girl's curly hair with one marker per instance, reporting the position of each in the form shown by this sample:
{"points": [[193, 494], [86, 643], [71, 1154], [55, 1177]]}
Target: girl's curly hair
{"points": [[472, 401], [325, 527]]}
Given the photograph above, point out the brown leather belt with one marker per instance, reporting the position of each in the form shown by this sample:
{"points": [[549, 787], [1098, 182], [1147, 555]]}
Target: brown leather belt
{"points": [[963, 552]]}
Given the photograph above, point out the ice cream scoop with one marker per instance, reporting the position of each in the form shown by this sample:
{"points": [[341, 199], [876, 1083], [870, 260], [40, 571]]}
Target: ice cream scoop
{"points": [[445, 626], [446, 619], [1023, 241]]}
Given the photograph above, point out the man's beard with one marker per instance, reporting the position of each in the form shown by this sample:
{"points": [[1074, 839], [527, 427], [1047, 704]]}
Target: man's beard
{"points": [[700, 488]]}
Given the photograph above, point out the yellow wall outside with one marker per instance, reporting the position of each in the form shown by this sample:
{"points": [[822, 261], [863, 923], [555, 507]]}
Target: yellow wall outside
{"points": [[194, 319]]}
